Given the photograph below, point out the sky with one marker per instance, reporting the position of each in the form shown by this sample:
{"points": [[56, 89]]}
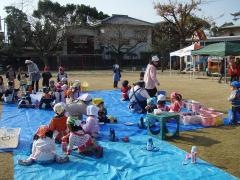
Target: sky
{"points": [[140, 9]]}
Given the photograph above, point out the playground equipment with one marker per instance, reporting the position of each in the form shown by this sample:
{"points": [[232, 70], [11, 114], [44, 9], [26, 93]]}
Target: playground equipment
{"points": [[162, 133]]}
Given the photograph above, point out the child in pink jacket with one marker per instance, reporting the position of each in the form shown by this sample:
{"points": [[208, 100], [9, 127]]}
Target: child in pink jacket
{"points": [[176, 102]]}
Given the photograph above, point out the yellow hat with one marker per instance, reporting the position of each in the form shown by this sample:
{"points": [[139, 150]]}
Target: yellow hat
{"points": [[97, 101]]}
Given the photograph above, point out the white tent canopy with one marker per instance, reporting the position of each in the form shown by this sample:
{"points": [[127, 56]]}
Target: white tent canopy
{"points": [[183, 52]]}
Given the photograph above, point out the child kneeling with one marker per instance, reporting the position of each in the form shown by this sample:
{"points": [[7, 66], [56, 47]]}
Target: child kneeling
{"points": [[85, 144], [43, 149]]}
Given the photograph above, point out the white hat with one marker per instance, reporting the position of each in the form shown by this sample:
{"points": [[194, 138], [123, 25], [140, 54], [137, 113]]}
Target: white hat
{"points": [[116, 66], [161, 97], [92, 110], [28, 62], [85, 97], [155, 59], [59, 108]]}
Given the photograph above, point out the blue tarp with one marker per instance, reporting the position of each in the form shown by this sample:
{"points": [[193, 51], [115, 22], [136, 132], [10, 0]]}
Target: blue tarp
{"points": [[121, 160]]}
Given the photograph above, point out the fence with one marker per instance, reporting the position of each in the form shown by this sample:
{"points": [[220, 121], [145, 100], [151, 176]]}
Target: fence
{"points": [[76, 62]]}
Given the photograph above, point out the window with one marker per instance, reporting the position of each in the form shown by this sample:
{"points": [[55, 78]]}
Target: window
{"points": [[80, 39]]}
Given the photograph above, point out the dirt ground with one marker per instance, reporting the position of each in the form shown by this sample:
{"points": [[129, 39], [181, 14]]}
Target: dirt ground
{"points": [[219, 146]]}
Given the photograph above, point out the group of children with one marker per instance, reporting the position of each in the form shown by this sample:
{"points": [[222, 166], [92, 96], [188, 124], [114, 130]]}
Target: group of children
{"points": [[71, 132], [158, 102]]}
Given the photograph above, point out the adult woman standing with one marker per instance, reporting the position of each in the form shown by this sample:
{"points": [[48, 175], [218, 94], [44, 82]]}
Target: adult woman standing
{"points": [[150, 77], [34, 73]]}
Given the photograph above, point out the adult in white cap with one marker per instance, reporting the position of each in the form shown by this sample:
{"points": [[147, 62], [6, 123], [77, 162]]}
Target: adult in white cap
{"points": [[78, 108], [34, 74], [150, 77]]}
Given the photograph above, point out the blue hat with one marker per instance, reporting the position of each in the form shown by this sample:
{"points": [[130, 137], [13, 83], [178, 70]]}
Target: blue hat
{"points": [[235, 84]]}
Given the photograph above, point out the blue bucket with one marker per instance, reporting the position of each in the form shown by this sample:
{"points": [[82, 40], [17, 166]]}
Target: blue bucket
{"points": [[162, 92]]}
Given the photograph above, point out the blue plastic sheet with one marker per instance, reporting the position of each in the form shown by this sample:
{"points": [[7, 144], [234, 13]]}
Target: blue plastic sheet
{"points": [[121, 160]]}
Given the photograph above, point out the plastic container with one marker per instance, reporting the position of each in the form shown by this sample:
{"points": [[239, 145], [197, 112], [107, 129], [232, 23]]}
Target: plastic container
{"points": [[162, 92]]}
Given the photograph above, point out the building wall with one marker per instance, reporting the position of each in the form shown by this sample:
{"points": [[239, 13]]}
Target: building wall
{"points": [[104, 34], [230, 32]]}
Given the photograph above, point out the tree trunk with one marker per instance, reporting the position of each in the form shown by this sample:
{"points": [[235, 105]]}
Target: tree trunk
{"points": [[45, 60]]}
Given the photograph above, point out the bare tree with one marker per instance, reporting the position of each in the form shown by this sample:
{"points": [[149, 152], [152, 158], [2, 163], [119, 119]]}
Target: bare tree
{"points": [[182, 17]]}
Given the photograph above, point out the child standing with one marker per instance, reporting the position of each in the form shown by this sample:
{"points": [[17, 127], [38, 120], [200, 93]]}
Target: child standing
{"points": [[77, 137], [61, 74], [234, 98], [91, 126], [46, 75], [161, 103], [176, 102], [2, 88], [58, 123], [116, 75], [43, 149], [11, 75], [10, 93], [22, 77], [125, 90]]}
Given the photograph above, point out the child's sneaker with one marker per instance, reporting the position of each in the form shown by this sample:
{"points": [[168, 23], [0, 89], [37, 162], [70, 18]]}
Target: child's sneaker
{"points": [[24, 162], [62, 159], [99, 152]]}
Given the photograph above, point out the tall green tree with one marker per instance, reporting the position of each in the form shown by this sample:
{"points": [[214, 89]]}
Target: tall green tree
{"points": [[182, 17], [51, 19], [19, 30]]}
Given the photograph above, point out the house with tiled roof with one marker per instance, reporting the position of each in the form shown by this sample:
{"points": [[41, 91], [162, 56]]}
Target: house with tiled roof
{"points": [[118, 32]]}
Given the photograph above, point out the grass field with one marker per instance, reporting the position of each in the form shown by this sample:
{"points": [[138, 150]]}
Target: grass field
{"points": [[219, 146]]}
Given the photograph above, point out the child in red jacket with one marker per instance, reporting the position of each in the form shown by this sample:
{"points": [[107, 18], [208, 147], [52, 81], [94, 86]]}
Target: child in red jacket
{"points": [[125, 90]]}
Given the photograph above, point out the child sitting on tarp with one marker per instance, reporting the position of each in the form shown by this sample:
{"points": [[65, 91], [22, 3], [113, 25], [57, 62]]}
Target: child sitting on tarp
{"points": [[150, 105], [46, 75], [22, 78], [25, 101], [59, 93], [58, 123], [43, 149], [2, 87], [161, 103], [10, 95], [125, 90], [234, 98], [61, 74], [176, 102], [46, 100], [52, 87], [102, 112], [77, 137], [91, 125], [74, 91]]}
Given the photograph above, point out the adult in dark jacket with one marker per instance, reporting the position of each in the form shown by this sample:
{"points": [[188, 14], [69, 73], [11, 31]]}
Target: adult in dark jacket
{"points": [[34, 74]]}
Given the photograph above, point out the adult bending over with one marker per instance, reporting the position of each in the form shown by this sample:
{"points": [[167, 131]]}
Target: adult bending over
{"points": [[34, 73], [150, 77], [138, 97]]}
